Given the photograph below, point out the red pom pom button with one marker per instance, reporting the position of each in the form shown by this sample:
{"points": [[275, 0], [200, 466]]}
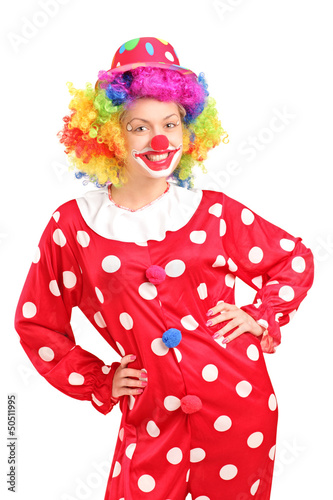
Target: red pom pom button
{"points": [[155, 274], [190, 404]]}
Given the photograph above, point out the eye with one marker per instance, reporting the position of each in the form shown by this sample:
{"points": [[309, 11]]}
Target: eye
{"points": [[142, 128], [171, 125]]}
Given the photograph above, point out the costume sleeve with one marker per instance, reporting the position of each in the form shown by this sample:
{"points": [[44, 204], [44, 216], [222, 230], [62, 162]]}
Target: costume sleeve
{"points": [[52, 288], [271, 261]]}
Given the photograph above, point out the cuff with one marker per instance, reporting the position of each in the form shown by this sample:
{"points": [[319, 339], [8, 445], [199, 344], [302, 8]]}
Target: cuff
{"points": [[101, 397], [265, 317]]}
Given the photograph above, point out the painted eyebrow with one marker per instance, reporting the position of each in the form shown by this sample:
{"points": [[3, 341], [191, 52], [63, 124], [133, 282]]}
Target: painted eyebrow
{"points": [[147, 121]]}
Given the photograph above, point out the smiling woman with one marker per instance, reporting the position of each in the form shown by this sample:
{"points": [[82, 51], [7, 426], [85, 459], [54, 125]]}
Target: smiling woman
{"points": [[153, 265]]}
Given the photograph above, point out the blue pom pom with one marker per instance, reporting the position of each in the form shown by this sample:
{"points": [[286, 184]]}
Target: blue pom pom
{"points": [[172, 337]]}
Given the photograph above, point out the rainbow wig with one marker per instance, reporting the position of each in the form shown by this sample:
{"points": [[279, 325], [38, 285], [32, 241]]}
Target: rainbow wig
{"points": [[92, 133]]}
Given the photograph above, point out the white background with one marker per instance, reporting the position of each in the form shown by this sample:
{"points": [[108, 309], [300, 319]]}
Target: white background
{"points": [[261, 59]]}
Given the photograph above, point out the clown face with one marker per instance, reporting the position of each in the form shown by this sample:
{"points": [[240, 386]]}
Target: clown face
{"points": [[153, 134]]}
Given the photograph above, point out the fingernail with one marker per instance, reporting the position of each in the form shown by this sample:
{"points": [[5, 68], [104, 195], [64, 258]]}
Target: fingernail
{"points": [[210, 313], [139, 391], [143, 383], [216, 335], [209, 323], [143, 375], [132, 357], [225, 341]]}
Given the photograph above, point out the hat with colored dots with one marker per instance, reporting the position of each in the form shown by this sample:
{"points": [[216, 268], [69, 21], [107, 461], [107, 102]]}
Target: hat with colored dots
{"points": [[147, 51]]}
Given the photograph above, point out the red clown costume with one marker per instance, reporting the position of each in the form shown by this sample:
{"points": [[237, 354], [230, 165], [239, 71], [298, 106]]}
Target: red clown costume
{"points": [[206, 422]]}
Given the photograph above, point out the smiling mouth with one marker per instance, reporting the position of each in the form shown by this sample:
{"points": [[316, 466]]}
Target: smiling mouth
{"points": [[158, 160]]}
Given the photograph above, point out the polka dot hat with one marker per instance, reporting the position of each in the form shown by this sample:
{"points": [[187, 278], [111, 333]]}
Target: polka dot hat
{"points": [[147, 51]]}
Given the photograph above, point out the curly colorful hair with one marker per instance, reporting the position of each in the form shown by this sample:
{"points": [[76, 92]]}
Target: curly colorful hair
{"points": [[92, 133]]}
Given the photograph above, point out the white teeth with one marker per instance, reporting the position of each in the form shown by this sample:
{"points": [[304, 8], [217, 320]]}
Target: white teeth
{"points": [[157, 157]]}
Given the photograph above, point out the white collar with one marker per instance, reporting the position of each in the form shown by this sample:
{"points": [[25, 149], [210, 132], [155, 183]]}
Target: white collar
{"points": [[169, 212]]}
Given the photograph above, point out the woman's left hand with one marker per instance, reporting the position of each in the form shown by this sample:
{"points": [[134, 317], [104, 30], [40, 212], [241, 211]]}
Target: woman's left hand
{"points": [[238, 320]]}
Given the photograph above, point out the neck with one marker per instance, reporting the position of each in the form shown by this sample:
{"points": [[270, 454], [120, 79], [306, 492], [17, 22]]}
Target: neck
{"points": [[135, 194]]}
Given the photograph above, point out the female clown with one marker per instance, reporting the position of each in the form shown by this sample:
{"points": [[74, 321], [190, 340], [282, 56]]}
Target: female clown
{"points": [[152, 264]]}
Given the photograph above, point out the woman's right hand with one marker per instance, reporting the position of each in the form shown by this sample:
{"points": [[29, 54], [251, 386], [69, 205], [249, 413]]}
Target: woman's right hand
{"points": [[124, 379]]}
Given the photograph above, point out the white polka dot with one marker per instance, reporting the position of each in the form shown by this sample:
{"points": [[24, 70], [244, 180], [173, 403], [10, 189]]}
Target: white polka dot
{"points": [[116, 469], [56, 216], [159, 348], [69, 279], [228, 472], [189, 323], [298, 264], [229, 280], [148, 291], [272, 404], [111, 264], [198, 237], [247, 216], [59, 238], [197, 454], [202, 497], [223, 423], [146, 483], [271, 452], [130, 450], [254, 487], [106, 369], [243, 389], [76, 379], [286, 293], [96, 401], [99, 295], [273, 282], [178, 354], [46, 353], [219, 262], [263, 322], [210, 373], [121, 349], [187, 475], [257, 281], [152, 429], [202, 291], [174, 456], [171, 403], [253, 352], [216, 210], [54, 289], [99, 320], [175, 268], [126, 321], [232, 266], [287, 245], [169, 56], [278, 316], [36, 257], [255, 439], [223, 227], [121, 434], [256, 255], [29, 310], [131, 401], [83, 238]]}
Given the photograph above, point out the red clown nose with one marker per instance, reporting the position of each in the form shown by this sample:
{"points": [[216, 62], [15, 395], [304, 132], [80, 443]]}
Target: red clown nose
{"points": [[159, 143]]}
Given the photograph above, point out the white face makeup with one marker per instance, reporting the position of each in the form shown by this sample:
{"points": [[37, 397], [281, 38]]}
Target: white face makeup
{"points": [[158, 164], [154, 138]]}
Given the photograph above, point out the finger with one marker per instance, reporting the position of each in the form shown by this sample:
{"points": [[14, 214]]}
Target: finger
{"points": [[131, 382], [223, 316], [129, 358], [129, 392], [222, 306], [130, 372], [237, 333], [235, 323]]}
